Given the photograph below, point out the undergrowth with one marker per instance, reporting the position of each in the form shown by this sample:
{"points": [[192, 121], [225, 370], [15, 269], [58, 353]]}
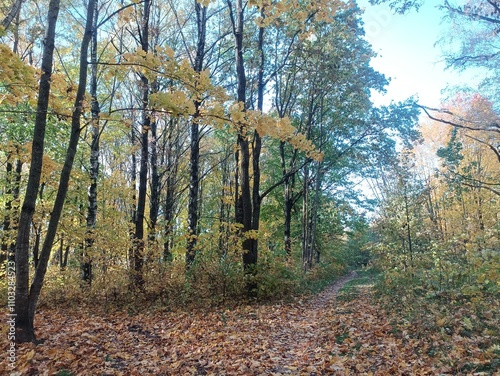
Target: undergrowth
{"points": [[210, 282], [463, 330]]}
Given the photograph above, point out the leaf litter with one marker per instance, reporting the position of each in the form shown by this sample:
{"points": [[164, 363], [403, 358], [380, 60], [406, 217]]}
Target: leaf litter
{"points": [[321, 335]]}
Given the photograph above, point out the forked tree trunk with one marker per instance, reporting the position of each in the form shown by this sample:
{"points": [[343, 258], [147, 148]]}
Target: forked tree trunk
{"points": [[243, 202], [29, 298], [24, 320]]}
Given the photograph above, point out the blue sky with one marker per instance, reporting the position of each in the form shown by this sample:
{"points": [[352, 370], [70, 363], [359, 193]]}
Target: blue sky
{"points": [[407, 52]]}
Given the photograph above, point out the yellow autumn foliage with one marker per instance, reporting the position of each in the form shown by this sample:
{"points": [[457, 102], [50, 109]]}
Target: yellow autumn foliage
{"points": [[18, 81]]}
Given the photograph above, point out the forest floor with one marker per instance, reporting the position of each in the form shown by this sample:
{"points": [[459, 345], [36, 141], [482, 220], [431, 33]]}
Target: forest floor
{"points": [[332, 333]]}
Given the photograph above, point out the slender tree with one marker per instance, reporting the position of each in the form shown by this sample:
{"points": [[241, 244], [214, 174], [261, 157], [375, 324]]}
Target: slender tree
{"points": [[26, 299], [94, 158], [24, 318], [194, 177], [138, 247]]}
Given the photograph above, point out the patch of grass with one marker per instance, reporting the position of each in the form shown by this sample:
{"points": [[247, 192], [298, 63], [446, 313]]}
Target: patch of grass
{"points": [[339, 339], [488, 368], [64, 372], [364, 277]]}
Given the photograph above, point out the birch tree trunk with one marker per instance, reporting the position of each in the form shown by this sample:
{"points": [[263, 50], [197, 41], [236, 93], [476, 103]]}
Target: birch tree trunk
{"points": [[94, 158]]}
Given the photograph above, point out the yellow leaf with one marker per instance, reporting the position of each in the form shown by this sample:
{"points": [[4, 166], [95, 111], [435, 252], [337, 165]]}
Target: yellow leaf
{"points": [[29, 355], [441, 322]]}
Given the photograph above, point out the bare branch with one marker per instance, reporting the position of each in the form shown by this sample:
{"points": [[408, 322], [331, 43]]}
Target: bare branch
{"points": [[487, 144], [485, 187], [116, 12], [492, 127], [471, 14]]}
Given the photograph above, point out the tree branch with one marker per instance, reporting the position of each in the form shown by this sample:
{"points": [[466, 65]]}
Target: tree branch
{"points": [[493, 127], [487, 144], [283, 178], [14, 10], [470, 14]]}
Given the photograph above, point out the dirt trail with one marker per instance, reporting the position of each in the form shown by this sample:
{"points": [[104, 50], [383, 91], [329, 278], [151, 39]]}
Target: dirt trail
{"points": [[329, 293], [311, 337], [299, 340]]}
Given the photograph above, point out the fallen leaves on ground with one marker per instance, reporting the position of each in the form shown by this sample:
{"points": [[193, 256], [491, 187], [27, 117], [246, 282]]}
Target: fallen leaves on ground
{"points": [[317, 336]]}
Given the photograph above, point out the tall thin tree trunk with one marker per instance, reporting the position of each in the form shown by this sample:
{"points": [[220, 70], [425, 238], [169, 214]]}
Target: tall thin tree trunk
{"points": [[154, 198], [288, 197], [61, 253], [244, 194], [225, 207], [257, 145], [194, 177], [138, 254], [11, 205], [306, 257], [408, 225], [133, 182], [62, 190], [314, 214], [36, 245], [36, 285], [24, 321], [306, 210], [8, 211], [94, 158], [66, 254], [169, 204]]}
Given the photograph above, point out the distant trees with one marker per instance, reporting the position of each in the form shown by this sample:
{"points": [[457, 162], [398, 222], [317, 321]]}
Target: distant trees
{"points": [[439, 227]]}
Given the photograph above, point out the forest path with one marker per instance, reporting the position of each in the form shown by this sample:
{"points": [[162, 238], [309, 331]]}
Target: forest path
{"points": [[320, 335], [326, 296]]}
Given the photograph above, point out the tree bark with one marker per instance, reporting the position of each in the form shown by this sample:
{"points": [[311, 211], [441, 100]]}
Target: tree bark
{"points": [[24, 321], [94, 158], [13, 12], [289, 199], [27, 330], [306, 255], [138, 246], [11, 206], [62, 190], [314, 214], [154, 199], [243, 202], [170, 160], [194, 177], [257, 146]]}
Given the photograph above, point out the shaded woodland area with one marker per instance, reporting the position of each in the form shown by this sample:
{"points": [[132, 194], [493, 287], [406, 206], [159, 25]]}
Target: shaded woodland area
{"points": [[212, 164]]}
